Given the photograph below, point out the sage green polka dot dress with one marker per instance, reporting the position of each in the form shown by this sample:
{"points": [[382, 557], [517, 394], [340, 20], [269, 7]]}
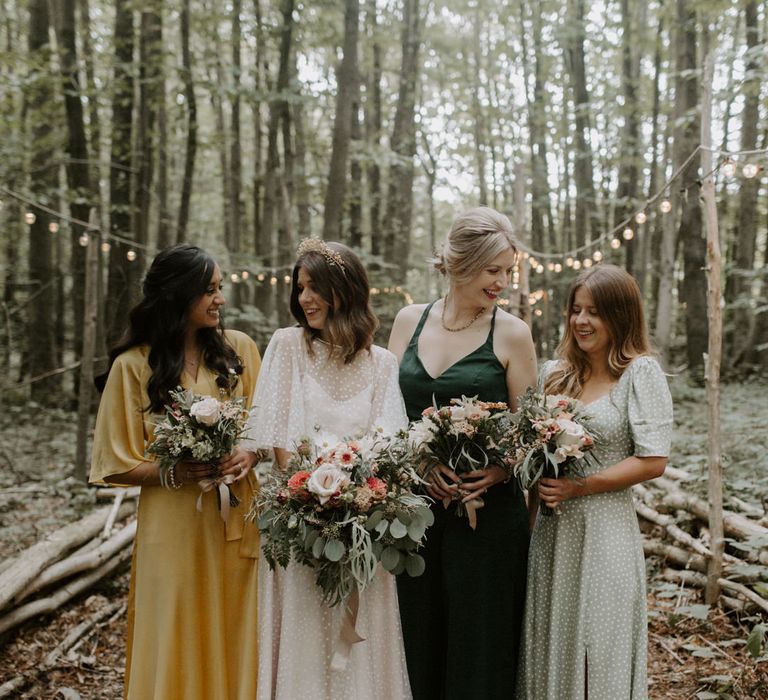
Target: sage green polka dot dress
{"points": [[585, 611]]}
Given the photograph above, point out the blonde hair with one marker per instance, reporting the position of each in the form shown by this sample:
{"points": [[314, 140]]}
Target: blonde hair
{"points": [[619, 304], [477, 237]]}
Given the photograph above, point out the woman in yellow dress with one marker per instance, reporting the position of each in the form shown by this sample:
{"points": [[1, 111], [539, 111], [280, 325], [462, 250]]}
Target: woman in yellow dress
{"points": [[192, 606]]}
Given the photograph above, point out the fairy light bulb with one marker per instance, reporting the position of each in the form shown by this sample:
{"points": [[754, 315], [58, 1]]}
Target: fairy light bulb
{"points": [[615, 244], [628, 234], [105, 247], [539, 268], [538, 312], [273, 280], [551, 266], [641, 217], [131, 255], [532, 262], [577, 264], [261, 277], [53, 227], [729, 168], [597, 256], [587, 262], [558, 267], [30, 218], [750, 170], [234, 277], [665, 206], [569, 262], [287, 279], [83, 240], [245, 274]]}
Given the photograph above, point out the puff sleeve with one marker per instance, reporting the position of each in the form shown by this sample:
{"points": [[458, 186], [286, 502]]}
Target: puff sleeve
{"points": [[388, 410], [277, 418], [546, 369], [121, 434], [649, 409]]}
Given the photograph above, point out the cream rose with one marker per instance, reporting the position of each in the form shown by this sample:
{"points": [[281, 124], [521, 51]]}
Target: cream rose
{"points": [[205, 411], [326, 481]]}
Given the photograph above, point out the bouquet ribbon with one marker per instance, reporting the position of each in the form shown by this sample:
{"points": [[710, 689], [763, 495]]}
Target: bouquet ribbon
{"points": [[348, 634], [471, 508], [221, 484]]}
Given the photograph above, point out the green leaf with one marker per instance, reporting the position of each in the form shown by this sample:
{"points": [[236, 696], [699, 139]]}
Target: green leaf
{"points": [[374, 519], [698, 611], [390, 558], [334, 550], [318, 547], [756, 639], [416, 530], [397, 529], [415, 565]]}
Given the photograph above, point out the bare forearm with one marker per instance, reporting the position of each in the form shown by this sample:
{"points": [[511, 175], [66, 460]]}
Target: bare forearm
{"points": [[622, 475]]}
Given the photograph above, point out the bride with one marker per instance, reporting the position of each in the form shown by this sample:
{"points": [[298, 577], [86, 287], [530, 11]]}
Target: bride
{"points": [[326, 377]]}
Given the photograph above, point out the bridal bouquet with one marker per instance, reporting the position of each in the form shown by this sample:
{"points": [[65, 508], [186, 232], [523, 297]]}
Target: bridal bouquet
{"points": [[466, 435], [552, 439], [343, 506], [199, 429]]}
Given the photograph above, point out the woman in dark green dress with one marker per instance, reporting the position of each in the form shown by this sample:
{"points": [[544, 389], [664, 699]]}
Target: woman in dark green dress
{"points": [[462, 618]]}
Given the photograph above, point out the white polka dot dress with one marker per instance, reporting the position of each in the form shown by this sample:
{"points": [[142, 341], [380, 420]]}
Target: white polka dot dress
{"points": [[585, 615]]}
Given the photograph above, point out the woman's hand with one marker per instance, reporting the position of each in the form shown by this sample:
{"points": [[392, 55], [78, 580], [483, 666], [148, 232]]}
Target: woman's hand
{"points": [[238, 463], [442, 482], [474, 484], [553, 492], [188, 472]]}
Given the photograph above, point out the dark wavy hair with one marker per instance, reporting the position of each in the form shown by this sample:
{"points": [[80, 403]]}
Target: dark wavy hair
{"points": [[351, 322], [619, 304], [176, 279]]}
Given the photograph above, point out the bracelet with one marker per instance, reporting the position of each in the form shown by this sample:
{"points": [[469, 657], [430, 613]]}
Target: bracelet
{"points": [[168, 478]]}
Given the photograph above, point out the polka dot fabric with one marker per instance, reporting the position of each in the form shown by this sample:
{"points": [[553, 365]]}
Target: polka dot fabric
{"points": [[585, 610]]}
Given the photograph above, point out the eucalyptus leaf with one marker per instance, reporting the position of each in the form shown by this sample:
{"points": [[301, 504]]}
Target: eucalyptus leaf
{"points": [[397, 529], [416, 530], [374, 519], [318, 547], [756, 640], [390, 558], [334, 550], [415, 565]]}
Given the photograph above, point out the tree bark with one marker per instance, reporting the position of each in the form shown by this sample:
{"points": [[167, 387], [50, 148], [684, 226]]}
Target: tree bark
{"points": [[124, 275], [39, 109], [191, 140], [347, 95], [693, 288], [397, 221], [235, 161], [373, 129]]}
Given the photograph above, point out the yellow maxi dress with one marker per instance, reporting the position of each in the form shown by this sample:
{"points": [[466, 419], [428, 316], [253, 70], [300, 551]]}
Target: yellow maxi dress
{"points": [[192, 606]]}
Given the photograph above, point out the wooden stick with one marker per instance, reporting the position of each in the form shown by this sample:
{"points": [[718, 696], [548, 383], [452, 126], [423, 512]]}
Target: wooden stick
{"points": [[119, 496], [668, 523], [105, 493], [676, 555]]}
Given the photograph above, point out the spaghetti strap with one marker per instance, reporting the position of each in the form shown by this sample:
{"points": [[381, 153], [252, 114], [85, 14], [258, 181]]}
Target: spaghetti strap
{"points": [[420, 325]]}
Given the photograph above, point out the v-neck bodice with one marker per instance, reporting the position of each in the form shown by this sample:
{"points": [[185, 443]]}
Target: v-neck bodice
{"points": [[479, 373]]}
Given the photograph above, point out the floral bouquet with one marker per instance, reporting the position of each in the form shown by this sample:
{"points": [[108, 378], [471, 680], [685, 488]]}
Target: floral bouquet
{"points": [[199, 429], [466, 435], [343, 506], [552, 439]]}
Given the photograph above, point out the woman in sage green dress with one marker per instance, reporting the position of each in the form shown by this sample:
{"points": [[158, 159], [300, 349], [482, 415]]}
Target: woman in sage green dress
{"points": [[462, 617], [585, 632]]}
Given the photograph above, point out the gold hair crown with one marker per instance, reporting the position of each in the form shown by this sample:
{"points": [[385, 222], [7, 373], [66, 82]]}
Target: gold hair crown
{"points": [[315, 245]]}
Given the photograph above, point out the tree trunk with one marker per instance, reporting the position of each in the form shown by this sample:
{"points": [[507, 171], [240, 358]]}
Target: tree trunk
{"points": [[743, 257], [478, 118], [77, 168], [397, 221], [694, 285], [191, 141], [235, 161], [347, 92], [40, 110], [258, 158], [124, 275], [373, 129]]}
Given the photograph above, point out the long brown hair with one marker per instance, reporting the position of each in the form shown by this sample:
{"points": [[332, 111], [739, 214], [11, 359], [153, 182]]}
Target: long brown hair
{"points": [[619, 304], [351, 323]]}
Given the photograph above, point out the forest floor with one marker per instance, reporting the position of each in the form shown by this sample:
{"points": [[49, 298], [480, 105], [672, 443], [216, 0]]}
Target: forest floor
{"points": [[689, 657]]}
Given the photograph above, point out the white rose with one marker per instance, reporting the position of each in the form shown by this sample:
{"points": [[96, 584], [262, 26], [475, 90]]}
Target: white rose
{"points": [[205, 411], [421, 433], [326, 480], [571, 433]]}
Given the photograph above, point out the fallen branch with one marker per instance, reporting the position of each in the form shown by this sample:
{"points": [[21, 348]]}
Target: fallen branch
{"points": [[107, 531], [62, 595], [81, 562], [27, 565], [109, 492], [675, 555], [697, 580]]}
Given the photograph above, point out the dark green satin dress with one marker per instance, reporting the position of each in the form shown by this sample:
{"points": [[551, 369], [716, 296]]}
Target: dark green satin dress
{"points": [[462, 618]]}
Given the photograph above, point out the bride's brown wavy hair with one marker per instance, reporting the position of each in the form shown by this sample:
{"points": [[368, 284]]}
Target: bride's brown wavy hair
{"points": [[351, 323], [619, 304]]}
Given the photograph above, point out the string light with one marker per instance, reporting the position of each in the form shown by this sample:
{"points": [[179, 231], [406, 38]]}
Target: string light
{"points": [[53, 227], [131, 255], [569, 262], [665, 206], [551, 266], [558, 267], [615, 244], [83, 240], [538, 312], [234, 277], [641, 217], [729, 168], [261, 277], [245, 274], [105, 247], [597, 256], [587, 262], [30, 218], [577, 264], [628, 234], [750, 170], [287, 279], [273, 280], [539, 268]]}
